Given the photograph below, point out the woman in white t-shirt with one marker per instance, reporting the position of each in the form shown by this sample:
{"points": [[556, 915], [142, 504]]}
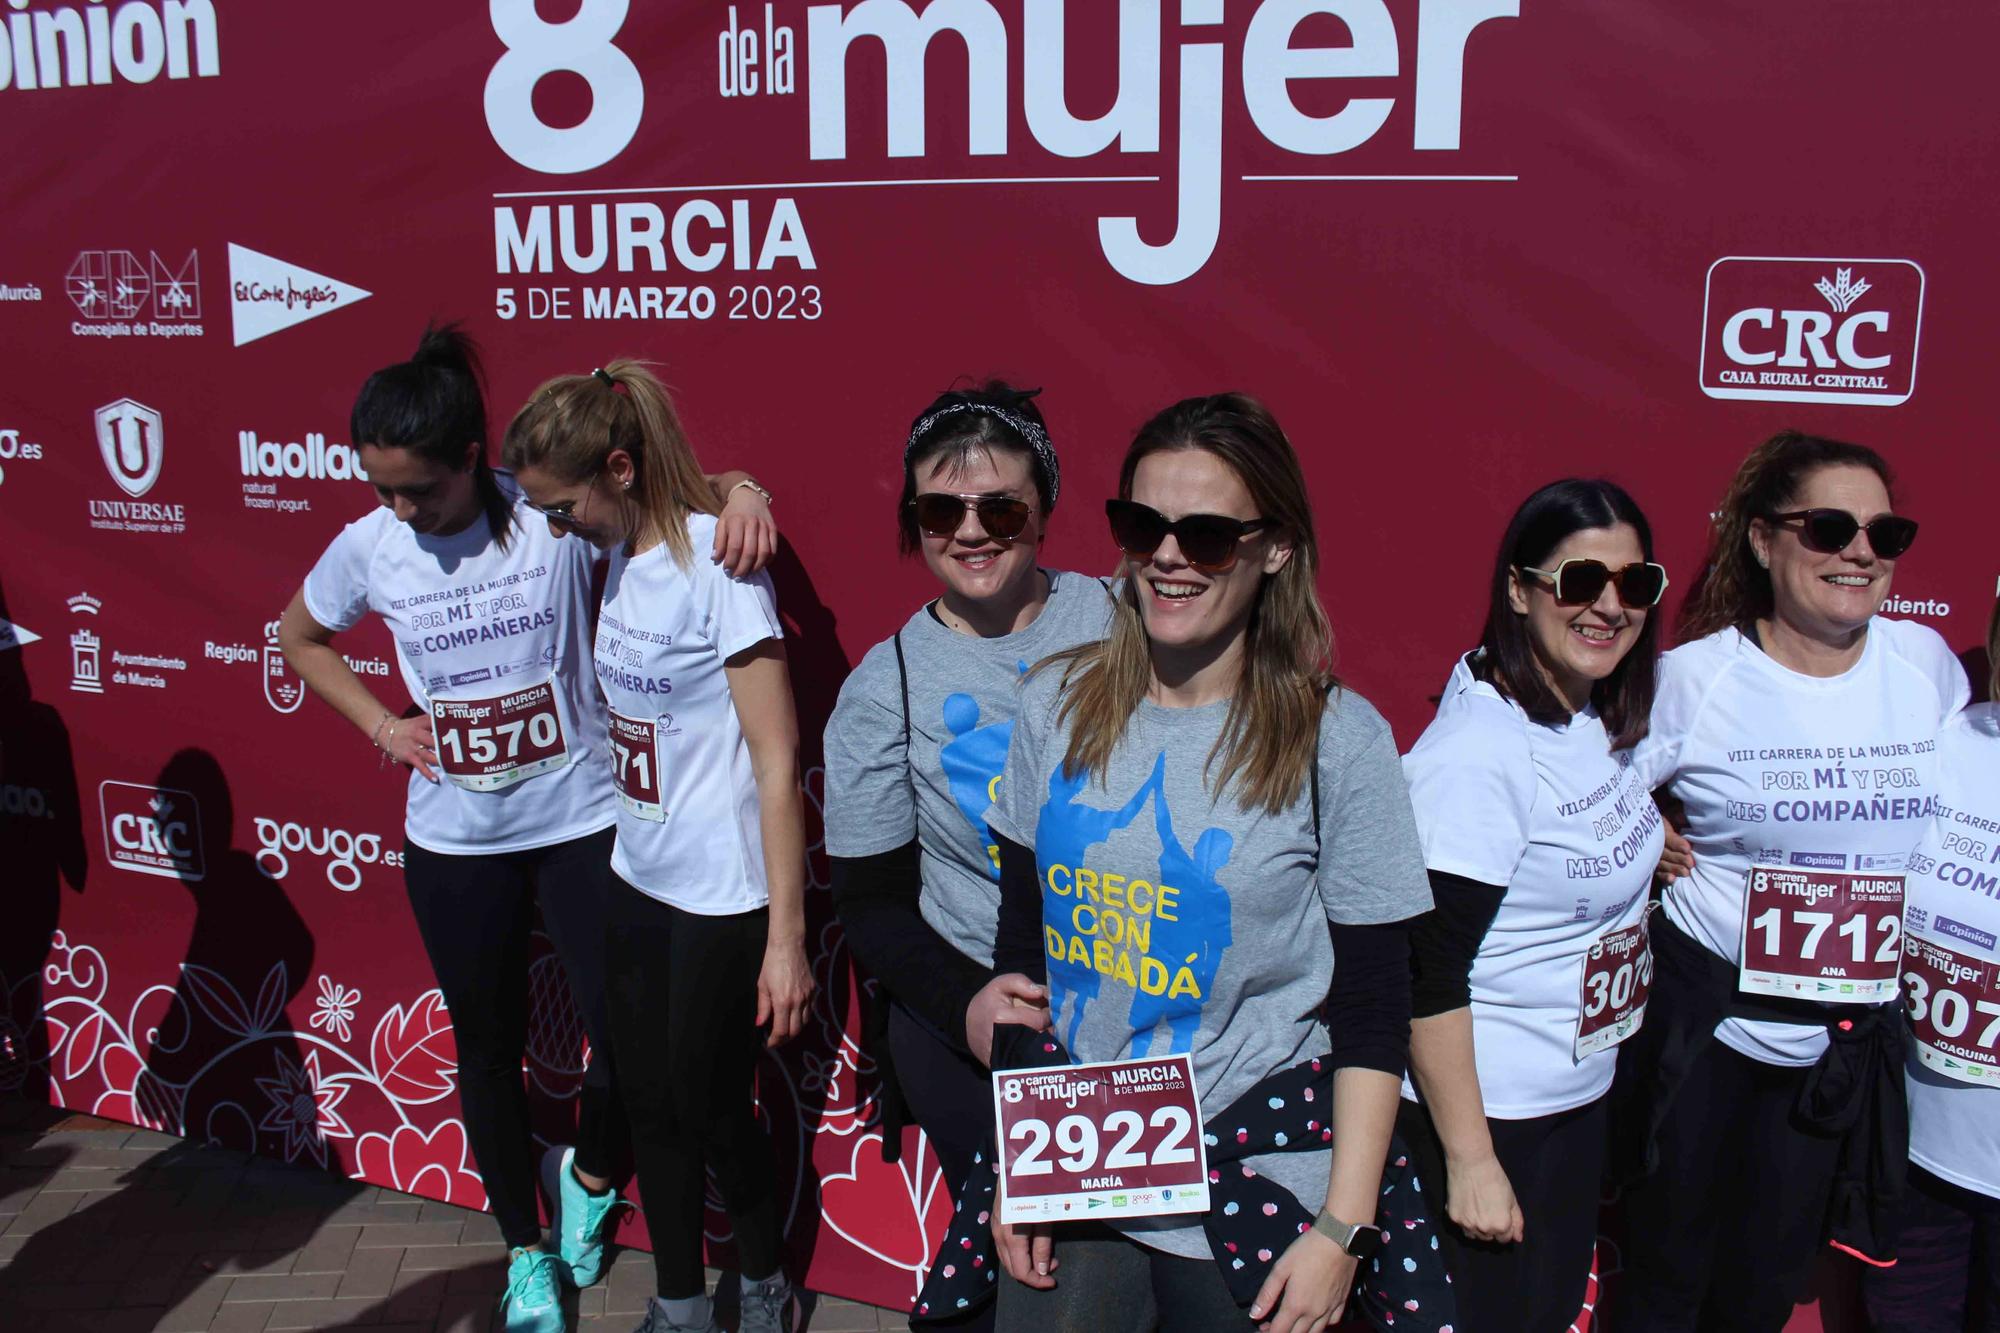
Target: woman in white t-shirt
{"points": [[707, 918], [1760, 1109], [1541, 845], [1949, 1274], [510, 803]]}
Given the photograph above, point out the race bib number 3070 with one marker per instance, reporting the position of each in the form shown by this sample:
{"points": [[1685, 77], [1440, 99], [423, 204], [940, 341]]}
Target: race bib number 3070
{"points": [[1617, 978], [487, 744], [1121, 1139], [1954, 1004], [1822, 935]]}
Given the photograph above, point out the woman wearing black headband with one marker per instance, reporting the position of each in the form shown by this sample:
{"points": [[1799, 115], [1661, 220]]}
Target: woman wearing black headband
{"points": [[916, 744]]}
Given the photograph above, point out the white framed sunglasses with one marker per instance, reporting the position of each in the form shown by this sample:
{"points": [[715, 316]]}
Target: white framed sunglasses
{"points": [[1579, 582]]}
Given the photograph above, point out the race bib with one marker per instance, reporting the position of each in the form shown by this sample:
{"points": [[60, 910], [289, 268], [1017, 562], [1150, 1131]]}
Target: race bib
{"points": [[635, 765], [1822, 935], [487, 744], [1954, 1004], [1121, 1139], [1617, 978]]}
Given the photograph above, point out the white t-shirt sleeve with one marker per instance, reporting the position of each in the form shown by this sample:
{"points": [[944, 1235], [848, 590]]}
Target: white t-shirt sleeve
{"points": [[1685, 677], [1472, 786], [736, 613], [336, 588], [1925, 648]]}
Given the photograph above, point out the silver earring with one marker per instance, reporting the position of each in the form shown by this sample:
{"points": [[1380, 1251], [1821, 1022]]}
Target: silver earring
{"points": [[625, 485]]}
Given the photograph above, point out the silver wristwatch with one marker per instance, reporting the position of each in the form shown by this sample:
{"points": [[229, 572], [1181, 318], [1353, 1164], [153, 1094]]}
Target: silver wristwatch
{"points": [[1363, 1240]]}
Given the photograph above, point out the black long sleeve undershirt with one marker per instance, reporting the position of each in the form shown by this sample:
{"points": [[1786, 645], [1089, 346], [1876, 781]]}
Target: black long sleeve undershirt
{"points": [[1017, 945], [1446, 939], [876, 899], [1367, 1009]]}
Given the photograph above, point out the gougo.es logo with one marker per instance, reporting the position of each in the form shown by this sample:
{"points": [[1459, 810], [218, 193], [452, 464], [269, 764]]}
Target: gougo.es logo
{"points": [[345, 852]]}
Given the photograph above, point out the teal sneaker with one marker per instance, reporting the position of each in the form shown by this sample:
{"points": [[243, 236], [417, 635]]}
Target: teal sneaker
{"points": [[533, 1301], [576, 1216]]}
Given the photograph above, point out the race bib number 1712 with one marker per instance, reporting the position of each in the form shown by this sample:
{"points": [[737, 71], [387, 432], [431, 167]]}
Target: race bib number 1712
{"points": [[1822, 935]]}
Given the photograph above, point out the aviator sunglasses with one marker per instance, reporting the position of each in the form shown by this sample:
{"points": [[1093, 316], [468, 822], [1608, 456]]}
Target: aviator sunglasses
{"points": [[1581, 582], [1209, 542], [1829, 531], [940, 513]]}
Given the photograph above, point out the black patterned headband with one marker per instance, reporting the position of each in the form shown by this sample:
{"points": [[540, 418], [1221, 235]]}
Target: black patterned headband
{"points": [[1032, 434]]}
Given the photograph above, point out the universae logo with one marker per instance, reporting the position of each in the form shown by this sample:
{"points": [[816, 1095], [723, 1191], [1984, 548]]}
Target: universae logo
{"points": [[1799, 330]]}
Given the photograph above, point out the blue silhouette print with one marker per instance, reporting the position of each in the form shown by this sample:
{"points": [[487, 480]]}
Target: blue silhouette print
{"points": [[1196, 939], [972, 762], [1064, 834]]}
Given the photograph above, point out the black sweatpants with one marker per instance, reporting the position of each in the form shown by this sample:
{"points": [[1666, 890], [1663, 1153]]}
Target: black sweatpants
{"points": [[1722, 1237], [475, 914], [951, 1096], [1947, 1275], [1553, 1163], [1108, 1283], [683, 1007]]}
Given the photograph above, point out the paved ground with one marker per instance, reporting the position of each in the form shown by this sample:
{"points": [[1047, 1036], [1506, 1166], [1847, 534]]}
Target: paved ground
{"points": [[104, 1229]]}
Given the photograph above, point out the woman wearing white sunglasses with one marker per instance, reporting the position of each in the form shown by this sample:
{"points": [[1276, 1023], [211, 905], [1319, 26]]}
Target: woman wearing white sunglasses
{"points": [[1541, 846]]}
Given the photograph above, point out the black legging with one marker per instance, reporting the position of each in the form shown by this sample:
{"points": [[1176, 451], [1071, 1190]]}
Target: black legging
{"points": [[683, 1008], [1537, 1284], [475, 914]]}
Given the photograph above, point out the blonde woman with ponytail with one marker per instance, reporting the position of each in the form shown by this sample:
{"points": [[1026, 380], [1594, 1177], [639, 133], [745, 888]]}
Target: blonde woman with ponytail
{"points": [[1204, 747], [707, 921]]}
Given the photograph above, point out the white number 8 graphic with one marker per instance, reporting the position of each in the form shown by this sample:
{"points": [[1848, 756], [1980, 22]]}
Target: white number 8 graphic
{"points": [[581, 45]]}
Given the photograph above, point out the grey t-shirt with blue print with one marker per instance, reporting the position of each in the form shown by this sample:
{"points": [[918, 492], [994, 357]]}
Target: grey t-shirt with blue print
{"points": [[1175, 922], [961, 716]]}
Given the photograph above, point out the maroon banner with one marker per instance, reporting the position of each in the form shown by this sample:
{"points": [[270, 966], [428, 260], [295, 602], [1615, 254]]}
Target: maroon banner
{"points": [[1462, 247]]}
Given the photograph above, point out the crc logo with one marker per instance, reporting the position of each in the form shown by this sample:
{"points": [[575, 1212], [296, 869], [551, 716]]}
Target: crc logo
{"points": [[345, 852], [116, 284], [1812, 330], [151, 830], [130, 437]]}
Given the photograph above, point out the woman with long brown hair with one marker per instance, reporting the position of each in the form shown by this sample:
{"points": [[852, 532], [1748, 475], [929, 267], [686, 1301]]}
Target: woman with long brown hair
{"points": [[1203, 746], [707, 917], [1797, 728]]}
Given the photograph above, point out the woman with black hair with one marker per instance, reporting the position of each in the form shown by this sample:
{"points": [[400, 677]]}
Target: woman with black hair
{"points": [[915, 748], [1541, 845], [510, 797]]}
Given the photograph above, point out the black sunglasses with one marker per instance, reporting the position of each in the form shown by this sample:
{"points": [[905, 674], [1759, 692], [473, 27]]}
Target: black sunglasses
{"points": [[1209, 542], [940, 513], [1829, 531], [1581, 582]]}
